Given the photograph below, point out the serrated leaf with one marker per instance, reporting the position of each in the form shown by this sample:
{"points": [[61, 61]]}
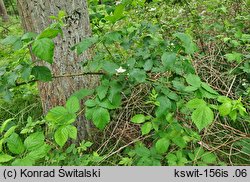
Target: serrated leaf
{"points": [[85, 44], [110, 67], [72, 104], [90, 103], [168, 59], [190, 89], [72, 130], [61, 135], [101, 117], [202, 117], [39, 153], [34, 141], [196, 103], [225, 108], [44, 49], [162, 145], [138, 119], [146, 128], [26, 161], [138, 75], [49, 33], [193, 80], [102, 91], [80, 94], [60, 115], [187, 42], [208, 158], [208, 88], [15, 144], [41, 73], [5, 158], [10, 40]]}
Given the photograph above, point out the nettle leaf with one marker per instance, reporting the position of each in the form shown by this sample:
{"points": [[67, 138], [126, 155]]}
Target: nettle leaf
{"points": [[168, 59], [196, 103], [138, 119], [139, 75], [34, 141], [60, 115], [72, 104], [202, 117], [72, 131], [225, 108], [44, 49], [162, 145], [61, 135], [5, 158], [85, 44], [146, 128], [41, 73], [193, 80], [187, 42], [15, 144], [101, 117]]}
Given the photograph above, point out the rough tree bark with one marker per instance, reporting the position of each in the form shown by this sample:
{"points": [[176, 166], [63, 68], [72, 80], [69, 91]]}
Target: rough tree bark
{"points": [[35, 17], [3, 12]]}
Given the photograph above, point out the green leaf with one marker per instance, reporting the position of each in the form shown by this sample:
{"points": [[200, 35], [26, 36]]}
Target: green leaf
{"points": [[146, 128], [72, 104], [234, 57], [187, 42], [80, 94], [41, 73], [139, 118], [10, 40], [208, 88], [34, 141], [110, 67], [102, 91], [225, 108], [85, 44], [39, 153], [44, 49], [26, 161], [208, 158], [202, 117], [138, 75], [168, 59], [15, 144], [148, 65], [190, 89], [196, 103], [28, 36], [223, 99], [61, 135], [193, 80], [101, 117], [179, 141], [72, 130], [162, 145], [49, 33], [5, 158], [4, 124], [10, 131], [233, 115], [60, 115], [90, 103]]}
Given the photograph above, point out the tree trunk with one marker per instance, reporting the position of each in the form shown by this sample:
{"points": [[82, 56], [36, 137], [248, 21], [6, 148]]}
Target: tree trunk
{"points": [[35, 17], [3, 11]]}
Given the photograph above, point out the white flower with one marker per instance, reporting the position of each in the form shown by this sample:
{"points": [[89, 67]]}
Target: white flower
{"points": [[118, 2], [152, 9], [120, 70]]}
